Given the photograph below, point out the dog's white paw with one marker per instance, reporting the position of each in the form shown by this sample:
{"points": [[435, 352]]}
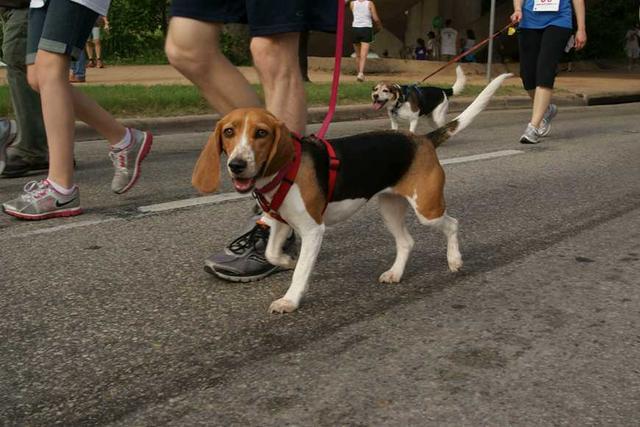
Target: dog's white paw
{"points": [[390, 276], [455, 263], [284, 261], [281, 306]]}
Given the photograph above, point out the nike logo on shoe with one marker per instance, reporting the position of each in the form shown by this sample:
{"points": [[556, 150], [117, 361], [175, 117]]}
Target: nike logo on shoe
{"points": [[59, 205]]}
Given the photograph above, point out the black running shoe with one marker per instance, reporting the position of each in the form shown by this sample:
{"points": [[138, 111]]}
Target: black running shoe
{"points": [[243, 260]]}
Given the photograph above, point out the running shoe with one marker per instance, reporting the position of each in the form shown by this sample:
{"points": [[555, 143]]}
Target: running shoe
{"points": [[126, 162], [243, 260], [41, 201], [545, 126], [531, 135]]}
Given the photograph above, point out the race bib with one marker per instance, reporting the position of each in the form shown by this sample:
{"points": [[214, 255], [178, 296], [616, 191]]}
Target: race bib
{"points": [[546, 5]]}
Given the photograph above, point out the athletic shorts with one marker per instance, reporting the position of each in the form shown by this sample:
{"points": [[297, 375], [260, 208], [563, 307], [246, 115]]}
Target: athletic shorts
{"points": [[362, 34], [95, 33], [540, 53], [264, 17], [60, 26]]}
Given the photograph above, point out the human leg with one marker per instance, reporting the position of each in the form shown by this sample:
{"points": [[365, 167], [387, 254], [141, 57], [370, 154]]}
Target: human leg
{"points": [[31, 147], [276, 59], [364, 51], [193, 48]]}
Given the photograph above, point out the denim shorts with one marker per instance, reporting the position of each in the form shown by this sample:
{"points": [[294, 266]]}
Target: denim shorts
{"points": [[60, 26], [263, 17]]}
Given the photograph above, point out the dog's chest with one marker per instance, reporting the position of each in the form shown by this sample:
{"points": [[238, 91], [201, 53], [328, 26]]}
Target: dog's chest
{"points": [[404, 111]]}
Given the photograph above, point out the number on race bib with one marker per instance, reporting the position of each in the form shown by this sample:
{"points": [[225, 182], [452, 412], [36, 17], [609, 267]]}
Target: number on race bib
{"points": [[546, 5]]}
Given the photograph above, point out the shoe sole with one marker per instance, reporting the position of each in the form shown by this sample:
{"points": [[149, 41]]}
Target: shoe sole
{"points": [[29, 172], [144, 150], [528, 141], [241, 279], [36, 217]]}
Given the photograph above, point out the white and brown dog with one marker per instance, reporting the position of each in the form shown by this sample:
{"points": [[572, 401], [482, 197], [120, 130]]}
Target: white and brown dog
{"points": [[410, 102], [402, 169]]}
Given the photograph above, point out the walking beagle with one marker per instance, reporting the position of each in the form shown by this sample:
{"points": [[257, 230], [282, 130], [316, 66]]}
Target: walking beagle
{"points": [[410, 102], [402, 169]]}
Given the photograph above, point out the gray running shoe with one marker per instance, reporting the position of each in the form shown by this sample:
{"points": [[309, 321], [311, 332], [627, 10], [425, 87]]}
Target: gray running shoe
{"points": [[41, 201], [127, 162], [531, 135], [545, 126], [8, 131], [243, 259]]}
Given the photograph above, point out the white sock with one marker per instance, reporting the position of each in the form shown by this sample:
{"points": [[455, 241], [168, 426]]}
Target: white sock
{"points": [[60, 189], [124, 143]]}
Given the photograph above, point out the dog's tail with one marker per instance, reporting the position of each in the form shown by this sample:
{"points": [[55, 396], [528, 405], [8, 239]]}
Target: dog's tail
{"points": [[440, 135], [461, 80]]}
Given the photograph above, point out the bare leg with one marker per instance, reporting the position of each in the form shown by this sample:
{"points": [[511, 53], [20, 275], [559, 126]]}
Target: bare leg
{"points": [[60, 102], [356, 50], [193, 48], [541, 102], [364, 51], [98, 47], [276, 59]]}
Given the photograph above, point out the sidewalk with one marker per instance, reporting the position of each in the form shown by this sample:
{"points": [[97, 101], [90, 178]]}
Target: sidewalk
{"points": [[588, 86]]}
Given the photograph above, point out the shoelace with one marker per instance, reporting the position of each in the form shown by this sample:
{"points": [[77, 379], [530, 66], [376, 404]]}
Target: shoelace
{"points": [[33, 190], [249, 239], [119, 159]]}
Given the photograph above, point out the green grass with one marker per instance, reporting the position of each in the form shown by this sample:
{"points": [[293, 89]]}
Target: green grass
{"points": [[180, 100]]}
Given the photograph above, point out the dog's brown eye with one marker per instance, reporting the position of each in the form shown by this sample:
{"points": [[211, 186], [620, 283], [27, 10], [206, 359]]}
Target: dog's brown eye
{"points": [[385, 91], [261, 133], [228, 132]]}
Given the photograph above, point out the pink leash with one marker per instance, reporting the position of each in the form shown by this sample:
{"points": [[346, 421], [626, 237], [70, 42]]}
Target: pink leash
{"points": [[336, 72]]}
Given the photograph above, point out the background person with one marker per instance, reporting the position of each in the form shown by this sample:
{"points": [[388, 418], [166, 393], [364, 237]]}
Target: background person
{"points": [[449, 43], [94, 43], [79, 69], [543, 36], [432, 46], [365, 16], [632, 45], [469, 42], [29, 154], [193, 48], [420, 52]]}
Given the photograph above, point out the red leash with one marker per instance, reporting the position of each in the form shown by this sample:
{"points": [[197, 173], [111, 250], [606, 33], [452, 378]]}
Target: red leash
{"points": [[336, 72], [467, 52]]}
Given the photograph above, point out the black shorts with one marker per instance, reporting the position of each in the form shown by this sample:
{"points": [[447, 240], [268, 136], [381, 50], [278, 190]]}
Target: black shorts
{"points": [[60, 26], [540, 53], [264, 17], [362, 34]]}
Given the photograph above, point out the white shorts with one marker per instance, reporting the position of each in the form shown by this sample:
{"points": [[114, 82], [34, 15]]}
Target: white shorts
{"points": [[95, 33]]}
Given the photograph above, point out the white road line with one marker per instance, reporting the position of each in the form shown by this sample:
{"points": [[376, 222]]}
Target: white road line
{"points": [[484, 156], [225, 197], [216, 198]]}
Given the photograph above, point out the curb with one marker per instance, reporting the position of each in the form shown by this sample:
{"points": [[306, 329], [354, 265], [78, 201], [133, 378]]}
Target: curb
{"points": [[205, 123]]}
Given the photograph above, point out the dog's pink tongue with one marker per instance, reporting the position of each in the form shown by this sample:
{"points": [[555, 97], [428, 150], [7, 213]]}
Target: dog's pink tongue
{"points": [[377, 106], [243, 185]]}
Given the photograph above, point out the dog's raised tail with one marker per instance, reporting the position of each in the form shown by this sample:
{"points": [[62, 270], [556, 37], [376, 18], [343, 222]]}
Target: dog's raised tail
{"points": [[465, 118], [461, 81]]}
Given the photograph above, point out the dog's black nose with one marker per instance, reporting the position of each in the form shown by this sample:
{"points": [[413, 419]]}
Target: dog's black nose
{"points": [[375, 96], [237, 165]]}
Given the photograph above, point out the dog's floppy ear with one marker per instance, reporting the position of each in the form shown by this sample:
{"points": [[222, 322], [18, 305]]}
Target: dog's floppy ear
{"points": [[282, 150], [206, 173]]}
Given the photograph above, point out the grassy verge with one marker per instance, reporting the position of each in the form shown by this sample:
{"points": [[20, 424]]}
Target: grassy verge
{"points": [[179, 100]]}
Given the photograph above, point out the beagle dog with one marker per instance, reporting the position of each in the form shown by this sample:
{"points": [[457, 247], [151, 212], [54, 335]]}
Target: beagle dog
{"points": [[410, 102], [402, 169]]}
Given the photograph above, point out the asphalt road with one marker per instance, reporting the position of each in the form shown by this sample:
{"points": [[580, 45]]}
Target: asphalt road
{"points": [[108, 318]]}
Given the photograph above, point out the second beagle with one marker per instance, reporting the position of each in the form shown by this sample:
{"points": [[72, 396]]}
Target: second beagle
{"points": [[402, 169]]}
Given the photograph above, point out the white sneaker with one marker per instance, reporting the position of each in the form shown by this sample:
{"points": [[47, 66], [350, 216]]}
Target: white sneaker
{"points": [[360, 77], [545, 126], [531, 135]]}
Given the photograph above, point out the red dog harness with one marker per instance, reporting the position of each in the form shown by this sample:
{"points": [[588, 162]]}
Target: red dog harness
{"points": [[286, 176]]}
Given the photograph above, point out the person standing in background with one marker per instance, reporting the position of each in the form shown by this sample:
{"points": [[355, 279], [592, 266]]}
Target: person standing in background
{"points": [[632, 45], [420, 52], [29, 154], [432, 46], [544, 29], [469, 42], [449, 42], [365, 16], [94, 44]]}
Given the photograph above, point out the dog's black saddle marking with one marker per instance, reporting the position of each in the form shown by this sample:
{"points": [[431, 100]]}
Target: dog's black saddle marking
{"points": [[427, 97]]}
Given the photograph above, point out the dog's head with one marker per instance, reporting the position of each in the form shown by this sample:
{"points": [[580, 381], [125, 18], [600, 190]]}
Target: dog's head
{"points": [[257, 145], [383, 93]]}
